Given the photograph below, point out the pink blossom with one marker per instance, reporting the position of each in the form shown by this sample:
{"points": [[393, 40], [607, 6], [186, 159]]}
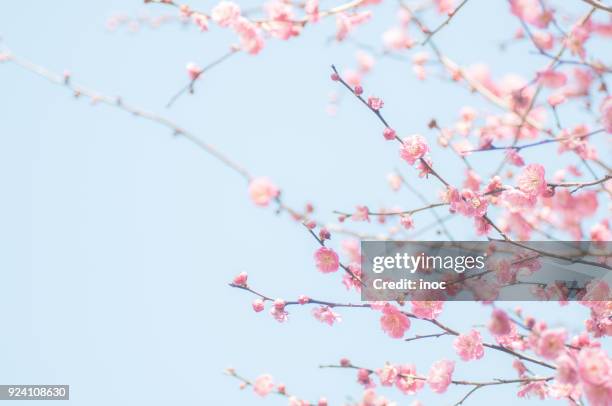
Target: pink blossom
{"points": [[397, 39], [514, 158], [311, 8], [262, 191], [532, 181], [567, 371], [551, 343], [240, 279], [427, 309], [201, 20], [594, 367], [601, 231], [225, 13], [361, 214], [193, 70], [534, 388], [395, 181], [406, 381], [413, 148], [251, 40], [516, 199], [264, 384], [363, 377], [406, 221], [472, 181], [258, 305], [375, 103], [387, 374], [394, 322], [389, 134], [499, 324], [543, 40], [345, 23], [469, 346], [278, 311], [551, 78], [471, 204], [303, 299], [556, 99], [326, 260], [325, 315], [440, 375], [445, 6], [483, 227], [606, 114]]}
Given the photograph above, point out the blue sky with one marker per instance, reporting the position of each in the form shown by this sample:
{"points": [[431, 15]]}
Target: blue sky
{"points": [[119, 239]]}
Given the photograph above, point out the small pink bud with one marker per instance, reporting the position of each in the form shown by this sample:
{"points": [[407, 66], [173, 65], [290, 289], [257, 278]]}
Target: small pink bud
{"points": [[258, 305], [309, 208], [241, 279], [324, 234], [375, 103], [279, 304], [282, 389], [303, 299], [322, 402], [345, 362], [311, 224], [335, 77], [389, 134], [193, 70], [358, 90]]}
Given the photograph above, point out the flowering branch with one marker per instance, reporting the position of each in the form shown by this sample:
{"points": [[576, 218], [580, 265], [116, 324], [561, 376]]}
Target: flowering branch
{"points": [[444, 329], [477, 384]]}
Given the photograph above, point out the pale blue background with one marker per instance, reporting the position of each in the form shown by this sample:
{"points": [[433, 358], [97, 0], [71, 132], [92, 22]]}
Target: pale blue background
{"points": [[118, 240]]}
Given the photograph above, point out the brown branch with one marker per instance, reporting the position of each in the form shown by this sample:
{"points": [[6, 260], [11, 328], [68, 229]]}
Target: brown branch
{"points": [[599, 5], [445, 23]]}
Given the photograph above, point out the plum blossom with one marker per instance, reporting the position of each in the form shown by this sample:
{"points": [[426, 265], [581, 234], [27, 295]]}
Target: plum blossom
{"points": [[325, 315], [375, 103], [427, 309], [406, 221], [326, 260], [258, 305], [514, 158], [532, 181], [551, 343], [264, 384], [601, 231], [345, 23], [405, 380], [262, 191], [387, 374], [278, 311], [394, 322], [551, 78], [250, 37], [397, 39], [389, 134], [413, 148], [240, 279], [440, 375], [225, 13], [499, 325], [567, 369], [193, 70], [361, 214], [469, 346]]}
